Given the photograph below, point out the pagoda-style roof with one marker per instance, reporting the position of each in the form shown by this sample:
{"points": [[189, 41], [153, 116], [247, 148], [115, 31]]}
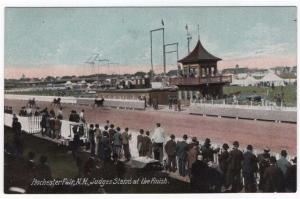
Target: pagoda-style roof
{"points": [[199, 54]]}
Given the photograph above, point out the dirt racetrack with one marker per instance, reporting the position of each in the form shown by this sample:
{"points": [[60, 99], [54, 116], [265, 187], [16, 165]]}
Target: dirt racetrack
{"points": [[260, 134]]}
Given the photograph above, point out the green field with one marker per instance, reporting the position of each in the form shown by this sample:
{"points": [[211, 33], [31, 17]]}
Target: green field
{"points": [[289, 92]]}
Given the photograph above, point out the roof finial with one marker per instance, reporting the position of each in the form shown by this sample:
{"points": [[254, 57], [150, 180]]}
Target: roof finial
{"points": [[198, 32]]}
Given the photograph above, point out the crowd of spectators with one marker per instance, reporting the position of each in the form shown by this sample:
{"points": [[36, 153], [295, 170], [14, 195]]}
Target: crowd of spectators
{"points": [[226, 169]]}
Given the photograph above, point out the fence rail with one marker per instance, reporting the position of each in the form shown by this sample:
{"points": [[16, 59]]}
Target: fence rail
{"points": [[245, 112], [67, 134], [116, 103], [264, 105]]}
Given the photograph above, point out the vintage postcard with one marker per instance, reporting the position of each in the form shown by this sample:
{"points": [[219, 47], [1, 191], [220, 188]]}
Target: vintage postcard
{"points": [[150, 99]]}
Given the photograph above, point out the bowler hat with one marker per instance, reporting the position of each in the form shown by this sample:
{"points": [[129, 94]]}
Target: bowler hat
{"points": [[236, 144], [225, 146]]}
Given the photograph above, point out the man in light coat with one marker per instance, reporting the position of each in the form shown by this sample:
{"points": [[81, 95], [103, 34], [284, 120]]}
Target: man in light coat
{"points": [[158, 140]]}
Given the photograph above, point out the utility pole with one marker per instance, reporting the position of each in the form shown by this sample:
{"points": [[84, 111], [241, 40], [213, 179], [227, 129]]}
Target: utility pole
{"points": [[163, 44], [173, 51], [100, 60], [189, 37]]}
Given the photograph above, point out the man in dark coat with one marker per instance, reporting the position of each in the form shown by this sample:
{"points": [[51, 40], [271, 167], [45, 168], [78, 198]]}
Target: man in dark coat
{"points": [[140, 143], [147, 145], [126, 137], [234, 168], [76, 142], [223, 164], [91, 136], [199, 176], [249, 170], [273, 176], [111, 133], [71, 117], [181, 152], [104, 148], [207, 151], [291, 177], [18, 142], [76, 117], [263, 162], [170, 149]]}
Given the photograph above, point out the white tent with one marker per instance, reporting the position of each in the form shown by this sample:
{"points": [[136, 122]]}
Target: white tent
{"points": [[83, 82], [272, 78], [248, 81], [68, 83], [237, 82]]}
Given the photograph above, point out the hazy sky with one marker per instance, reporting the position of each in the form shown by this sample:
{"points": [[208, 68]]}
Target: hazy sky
{"points": [[57, 41]]}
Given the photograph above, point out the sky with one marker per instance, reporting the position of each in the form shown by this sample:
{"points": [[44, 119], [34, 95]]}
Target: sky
{"points": [[58, 41]]}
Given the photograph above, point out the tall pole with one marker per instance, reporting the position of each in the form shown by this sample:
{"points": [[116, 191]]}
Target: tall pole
{"points": [[177, 52], [151, 52], [164, 58], [189, 37], [164, 53]]}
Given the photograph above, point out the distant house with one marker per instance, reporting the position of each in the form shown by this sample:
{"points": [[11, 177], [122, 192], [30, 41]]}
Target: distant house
{"points": [[236, 70]]}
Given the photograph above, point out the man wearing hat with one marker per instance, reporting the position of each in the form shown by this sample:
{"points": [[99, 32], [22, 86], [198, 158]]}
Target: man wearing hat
{"points": [[170, 149], [249, 170], [199, 176], [291, 177], [208, 151], [223, 164], [158, 139], [263, 162], [283, 163], [181, 152], [273, 176], [234, 168]]}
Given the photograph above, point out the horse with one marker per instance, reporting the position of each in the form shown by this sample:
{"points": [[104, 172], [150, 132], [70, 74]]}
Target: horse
{"points": [[56, 102], [31, 103], [99, 102]]}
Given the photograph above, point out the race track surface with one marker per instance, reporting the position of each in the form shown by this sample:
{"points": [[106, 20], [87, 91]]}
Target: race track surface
{"points": [[260, 134]]}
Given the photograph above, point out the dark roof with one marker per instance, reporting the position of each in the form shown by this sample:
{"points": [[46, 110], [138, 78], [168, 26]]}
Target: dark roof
{"points": [[197, 55], [172, 72]]}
